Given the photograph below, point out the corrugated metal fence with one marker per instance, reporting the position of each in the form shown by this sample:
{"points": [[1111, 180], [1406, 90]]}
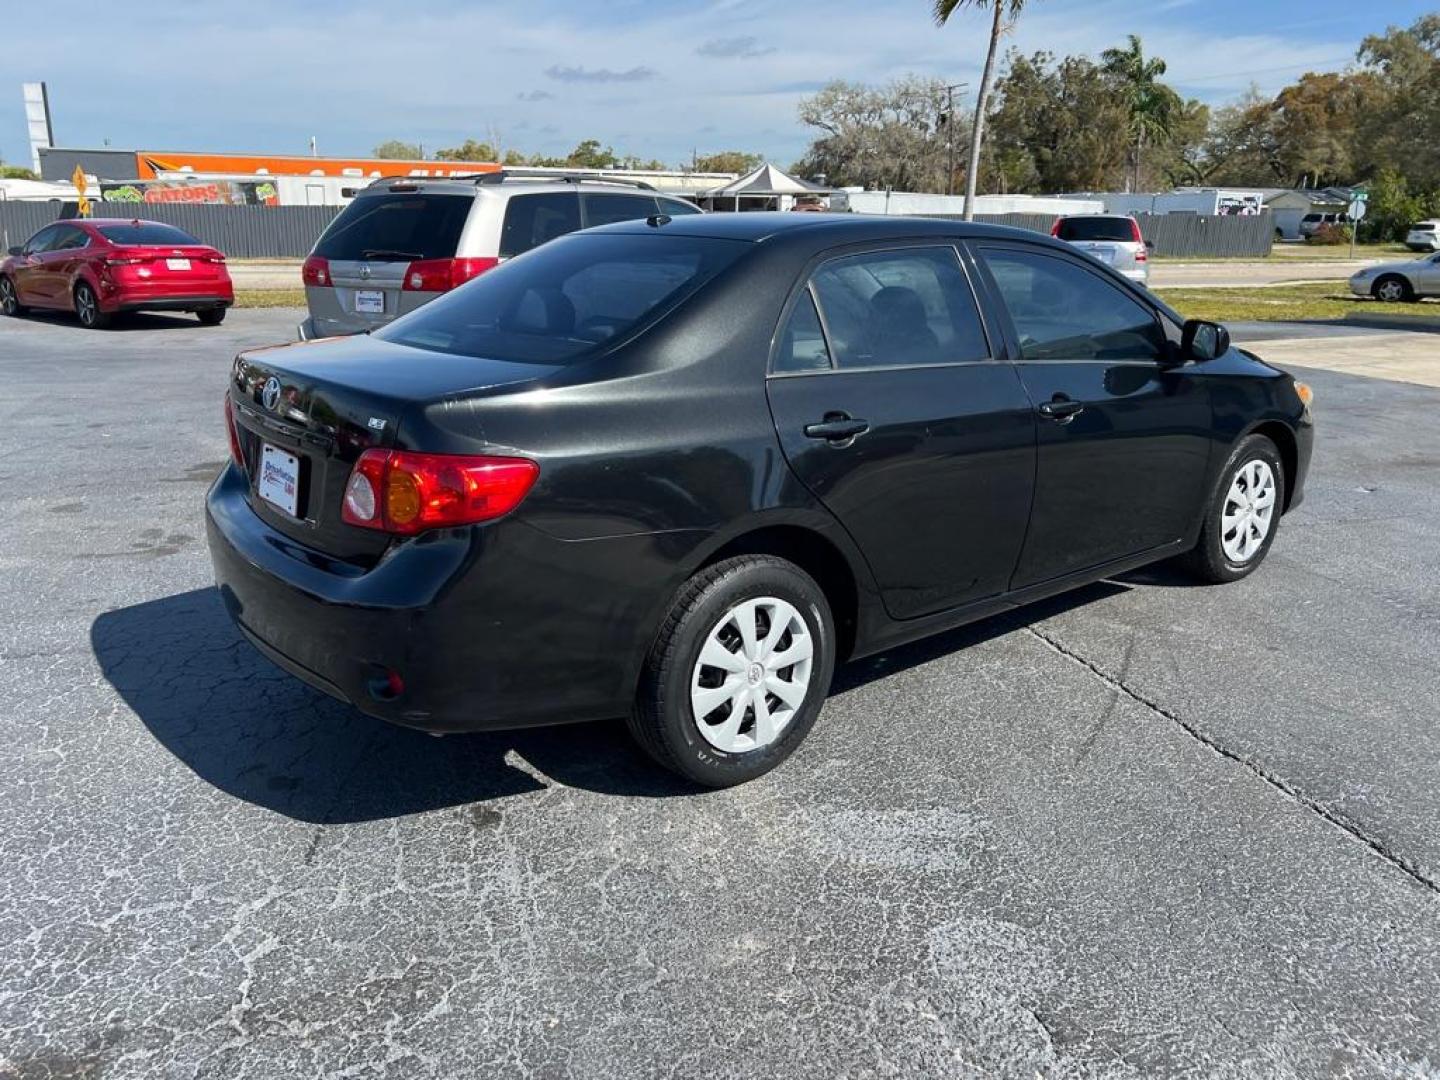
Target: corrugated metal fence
{"points": [[288, 232], [242, 232]]}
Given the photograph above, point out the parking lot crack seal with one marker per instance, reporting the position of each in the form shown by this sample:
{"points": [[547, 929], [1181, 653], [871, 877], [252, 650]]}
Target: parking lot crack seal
{"points": [[1355, 832]]}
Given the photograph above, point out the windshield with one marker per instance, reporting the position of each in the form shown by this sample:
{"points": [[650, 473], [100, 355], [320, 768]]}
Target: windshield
{"points": [[397, 227], [146, 234], [566, 299], [1097, 228]]}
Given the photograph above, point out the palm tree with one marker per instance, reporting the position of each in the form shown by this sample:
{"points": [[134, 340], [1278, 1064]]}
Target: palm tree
{"points": [[1154, 107], [943, 10]]}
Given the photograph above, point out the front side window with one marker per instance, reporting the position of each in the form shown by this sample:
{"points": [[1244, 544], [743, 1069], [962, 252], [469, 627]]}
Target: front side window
{"points": [[899, 308], [532, 220], [146, 234], [1061, 311], [568, 299], [42, 240]]}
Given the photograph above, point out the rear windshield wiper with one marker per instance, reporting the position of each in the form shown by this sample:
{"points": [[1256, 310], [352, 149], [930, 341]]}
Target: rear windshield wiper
{"points": [[386, 253]]}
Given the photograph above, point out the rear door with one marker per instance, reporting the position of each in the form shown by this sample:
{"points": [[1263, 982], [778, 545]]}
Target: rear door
{"points": [[893, 411], [369, 248], [63, 262], [1123, 435]]}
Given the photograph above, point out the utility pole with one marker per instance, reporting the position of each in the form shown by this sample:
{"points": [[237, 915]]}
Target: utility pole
{"points": [[950, 135]]}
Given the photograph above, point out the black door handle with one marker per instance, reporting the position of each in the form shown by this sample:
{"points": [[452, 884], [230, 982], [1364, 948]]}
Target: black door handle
{"points": [[837, 427], [1060, 408]]}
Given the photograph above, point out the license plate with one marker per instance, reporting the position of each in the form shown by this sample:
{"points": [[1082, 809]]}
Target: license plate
{"points": [[279, 482], [370, 302], [178, 264]]}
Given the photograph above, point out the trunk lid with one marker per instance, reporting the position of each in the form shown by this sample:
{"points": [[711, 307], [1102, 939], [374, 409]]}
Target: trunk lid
{"points": [[330, 401]]}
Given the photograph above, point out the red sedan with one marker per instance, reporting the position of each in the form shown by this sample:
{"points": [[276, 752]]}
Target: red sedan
{"points": [[99, 267]]}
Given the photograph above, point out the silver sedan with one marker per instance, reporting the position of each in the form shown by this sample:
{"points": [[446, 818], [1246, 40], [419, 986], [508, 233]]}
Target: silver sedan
{"points": [[1409, 280]]}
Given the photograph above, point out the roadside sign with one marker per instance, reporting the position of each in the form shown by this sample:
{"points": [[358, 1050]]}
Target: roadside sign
{"points": [[1356, 210], [82, 204]]}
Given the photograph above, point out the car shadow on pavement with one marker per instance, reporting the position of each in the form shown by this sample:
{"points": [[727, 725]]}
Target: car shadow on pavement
{"points": [[258, 734], [124, 322]]}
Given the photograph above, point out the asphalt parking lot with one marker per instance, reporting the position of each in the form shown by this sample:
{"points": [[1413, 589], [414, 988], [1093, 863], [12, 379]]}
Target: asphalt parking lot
{"points": [[1145, 829]]}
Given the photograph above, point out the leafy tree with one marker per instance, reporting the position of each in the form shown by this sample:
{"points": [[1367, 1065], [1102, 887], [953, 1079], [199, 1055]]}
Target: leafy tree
{"points": [[589, 155], [17, 172], [734, 161], [877, 136], [1393, 206], [395, 149], [942, 11], [469, 150], [1154, 108]]}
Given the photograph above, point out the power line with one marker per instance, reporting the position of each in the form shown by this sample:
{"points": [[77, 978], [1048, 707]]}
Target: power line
{"points": [[1259, 71]]}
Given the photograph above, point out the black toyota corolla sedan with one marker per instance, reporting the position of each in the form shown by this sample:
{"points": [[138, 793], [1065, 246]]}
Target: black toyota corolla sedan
{"points": [[678, 469]]}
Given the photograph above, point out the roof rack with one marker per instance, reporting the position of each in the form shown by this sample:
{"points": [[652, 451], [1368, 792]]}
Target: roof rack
{"points": [[500, 176]]}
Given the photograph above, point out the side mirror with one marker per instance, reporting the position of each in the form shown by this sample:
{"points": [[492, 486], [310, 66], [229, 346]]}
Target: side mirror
{"points": [[18, 249], [1203, 340], [1149, 245]]}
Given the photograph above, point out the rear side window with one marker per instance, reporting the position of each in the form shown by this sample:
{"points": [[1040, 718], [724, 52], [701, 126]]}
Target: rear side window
{"points": [[802, 343], [532, 220], [1062, 311], [604, 209], [1097, 228], [899, 308], [568, 299], [396, 228], [146, 234]]}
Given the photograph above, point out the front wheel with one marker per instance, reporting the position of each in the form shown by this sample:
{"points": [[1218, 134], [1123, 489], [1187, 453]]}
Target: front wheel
{"points": [[87, 308], [738, 672], [1243, 516], [211, 316], [1392, 288], [9, 300]]}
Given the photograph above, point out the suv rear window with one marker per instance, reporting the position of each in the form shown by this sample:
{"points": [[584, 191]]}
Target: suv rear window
{"points": [[146, 234], [397, 227], [1097, 228], [1423, 226], [567, 299]]}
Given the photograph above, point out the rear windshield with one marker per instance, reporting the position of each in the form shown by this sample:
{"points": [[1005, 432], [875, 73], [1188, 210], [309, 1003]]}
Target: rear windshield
{"points": [[567, 299], [397, 227], [146, 233], [1423, 226], [1097, 228]]}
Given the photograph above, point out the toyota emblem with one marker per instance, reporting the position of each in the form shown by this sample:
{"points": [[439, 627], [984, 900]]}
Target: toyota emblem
{"points": [[365, 271], [270, 396]]}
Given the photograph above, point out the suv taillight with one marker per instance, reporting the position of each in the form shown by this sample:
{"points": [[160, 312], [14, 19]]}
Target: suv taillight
{"points": [[316, 271], [442, 275], [1055, 229], [1141, 255], [236, 453], [403, 492]]}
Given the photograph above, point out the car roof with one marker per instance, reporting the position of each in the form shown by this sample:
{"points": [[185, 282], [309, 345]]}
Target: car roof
{"points": [[757, 227], [510, 186]]}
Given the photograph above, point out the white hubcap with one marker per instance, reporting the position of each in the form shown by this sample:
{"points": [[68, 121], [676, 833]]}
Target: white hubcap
{"points": [[752, 674], [1249, 511]]}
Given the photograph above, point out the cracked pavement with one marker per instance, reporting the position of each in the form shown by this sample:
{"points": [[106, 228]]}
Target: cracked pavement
{"points": [[1145, 829]]}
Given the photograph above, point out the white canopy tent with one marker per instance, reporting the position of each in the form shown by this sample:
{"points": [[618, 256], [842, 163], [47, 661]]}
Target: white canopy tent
{"points": [[763, 188]]}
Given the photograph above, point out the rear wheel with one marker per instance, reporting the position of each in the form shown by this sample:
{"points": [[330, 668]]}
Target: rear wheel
{"points": [[211, 316], [738, 672], [87, 308], [9, 300], [1391, 288], [1243, 516]]}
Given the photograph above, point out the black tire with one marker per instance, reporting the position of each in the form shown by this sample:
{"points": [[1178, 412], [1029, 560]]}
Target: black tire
{"points": [[663, 720], [1392, 287], [87, 308], [9, 301], [211, 316], [1207, 560]]}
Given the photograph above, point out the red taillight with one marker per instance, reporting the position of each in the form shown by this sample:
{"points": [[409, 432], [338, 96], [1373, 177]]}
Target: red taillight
{"points": [[316, 271], [403, 492], [213, 257], [236, 454], [442, 275], [1055, 229]]}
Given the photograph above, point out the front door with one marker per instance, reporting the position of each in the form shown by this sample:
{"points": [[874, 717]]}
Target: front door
{"points": [[892, 412], [1123, 436], [30, 271]]}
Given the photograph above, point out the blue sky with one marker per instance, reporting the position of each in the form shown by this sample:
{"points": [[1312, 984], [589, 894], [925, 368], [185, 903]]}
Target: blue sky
{"points": [[652, 78]]}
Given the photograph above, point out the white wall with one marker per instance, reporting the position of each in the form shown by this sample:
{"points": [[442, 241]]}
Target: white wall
{"points": [[909, 202]]}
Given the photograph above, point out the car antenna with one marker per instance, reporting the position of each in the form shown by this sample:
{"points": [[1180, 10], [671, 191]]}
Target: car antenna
{"points": [[656, 220]]}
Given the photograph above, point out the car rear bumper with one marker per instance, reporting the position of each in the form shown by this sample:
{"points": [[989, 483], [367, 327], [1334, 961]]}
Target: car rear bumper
{"points": [[174, 303], [495, 627], [166, 295]]}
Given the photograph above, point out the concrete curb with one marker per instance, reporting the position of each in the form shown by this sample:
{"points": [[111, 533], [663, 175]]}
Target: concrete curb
{"points": [[1421, 324]]}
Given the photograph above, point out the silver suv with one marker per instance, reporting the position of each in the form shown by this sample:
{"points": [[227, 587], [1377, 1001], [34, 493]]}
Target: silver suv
{"points": [[405, 240], [1114, 239]]}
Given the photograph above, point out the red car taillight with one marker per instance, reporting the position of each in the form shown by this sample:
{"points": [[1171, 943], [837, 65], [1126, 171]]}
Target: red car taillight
{"points": [[1140, 256], [1055, 228], [403, 492], [316, 271], [236, 454], [442, 275]]}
